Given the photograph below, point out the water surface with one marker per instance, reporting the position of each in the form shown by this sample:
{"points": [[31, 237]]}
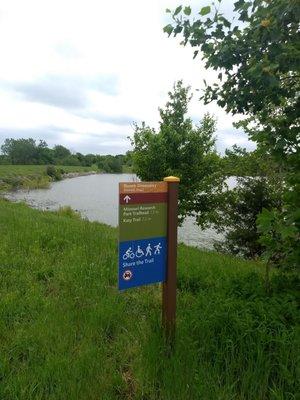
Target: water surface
{"points": [[96, 197]]}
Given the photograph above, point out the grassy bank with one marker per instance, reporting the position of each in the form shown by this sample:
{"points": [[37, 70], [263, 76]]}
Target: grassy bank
{"points": [[67, 333], [31, 176]]}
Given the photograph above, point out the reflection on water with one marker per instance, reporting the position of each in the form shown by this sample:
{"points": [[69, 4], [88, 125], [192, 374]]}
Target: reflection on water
{"points": [[96, 197]]}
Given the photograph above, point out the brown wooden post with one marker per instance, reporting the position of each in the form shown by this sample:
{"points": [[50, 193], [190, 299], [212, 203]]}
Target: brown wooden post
{"points": [[169, 286]]}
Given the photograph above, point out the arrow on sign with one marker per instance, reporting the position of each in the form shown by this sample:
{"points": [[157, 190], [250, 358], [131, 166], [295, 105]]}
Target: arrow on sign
{"points": [[127, 198]]}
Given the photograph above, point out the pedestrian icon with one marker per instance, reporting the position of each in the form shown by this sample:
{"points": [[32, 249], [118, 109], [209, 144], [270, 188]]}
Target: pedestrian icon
{"points": [[158, 248], [149, 250]]}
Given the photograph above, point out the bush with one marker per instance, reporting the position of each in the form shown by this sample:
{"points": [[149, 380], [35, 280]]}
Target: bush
{"points": [[67, 211], [54, 173], [240, 209]]}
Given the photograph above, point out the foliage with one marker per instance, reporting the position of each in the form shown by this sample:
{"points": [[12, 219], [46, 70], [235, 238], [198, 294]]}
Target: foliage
{"points": [[238, 213], [257, 60], [258, 187], [280, 236], [4, 160], [240, 162], [27, 151], [53, 172], [67, 211], [60, 308], [60, 152], [111, 164], [87, 160], [20, 151], [180, 149]]}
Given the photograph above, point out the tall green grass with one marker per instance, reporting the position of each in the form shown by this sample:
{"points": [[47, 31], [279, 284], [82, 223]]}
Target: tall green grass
{"points": [[31, 176], [23, 170], [67, 333]]}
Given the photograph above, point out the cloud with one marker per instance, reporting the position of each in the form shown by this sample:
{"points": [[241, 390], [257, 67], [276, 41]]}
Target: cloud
{"points": [[108, 142], [227, 138], [111, 119], [51, 134], [89, 142], [98, 142], [54, 92], [67, 92], [82, 83], [103, 148], [67, 50]]}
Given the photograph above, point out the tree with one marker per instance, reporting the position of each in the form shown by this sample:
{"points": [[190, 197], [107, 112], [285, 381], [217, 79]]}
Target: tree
{"points": [[44, 154], [70, 160], [128, 158], [110, 164], [4, 160], [60, 153], [258, 75], [239, 162], [20, 151], [89, 160], [180, 149], [238, 213]]}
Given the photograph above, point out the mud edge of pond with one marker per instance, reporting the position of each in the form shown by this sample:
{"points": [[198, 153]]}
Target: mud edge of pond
{"points": [[36, 181], [76, 174]]}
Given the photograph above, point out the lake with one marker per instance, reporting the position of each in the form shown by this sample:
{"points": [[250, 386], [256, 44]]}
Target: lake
{"points": [[96, 198]]}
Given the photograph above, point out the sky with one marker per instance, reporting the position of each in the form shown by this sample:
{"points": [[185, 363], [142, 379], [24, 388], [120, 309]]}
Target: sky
{"points": [[80, 73]]}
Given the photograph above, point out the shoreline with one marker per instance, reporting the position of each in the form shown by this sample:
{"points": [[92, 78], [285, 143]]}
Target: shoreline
{"points": [[70, 175], [36, 180]]}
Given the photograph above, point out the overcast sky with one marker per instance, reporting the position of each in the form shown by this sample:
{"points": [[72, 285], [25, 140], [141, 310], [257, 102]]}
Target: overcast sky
{"points": [[79, 72]]}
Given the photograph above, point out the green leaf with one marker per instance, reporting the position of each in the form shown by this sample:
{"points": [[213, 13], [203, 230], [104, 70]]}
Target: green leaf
{"points": [[168, 29], [178, 9], [225, 22], [205, 10], [187, 10], [168, 10]]}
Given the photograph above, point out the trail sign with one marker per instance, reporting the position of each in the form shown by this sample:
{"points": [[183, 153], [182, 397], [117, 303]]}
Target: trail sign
{"points": [[142, 233]]}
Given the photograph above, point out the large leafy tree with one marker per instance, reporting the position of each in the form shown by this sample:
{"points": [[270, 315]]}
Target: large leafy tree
{"points": [[238, 213], [257, 62], [179, 148], [20, 151], [60, 152]]}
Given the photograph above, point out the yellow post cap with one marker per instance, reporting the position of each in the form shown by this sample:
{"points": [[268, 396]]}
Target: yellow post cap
{"points": [[171, 179]]}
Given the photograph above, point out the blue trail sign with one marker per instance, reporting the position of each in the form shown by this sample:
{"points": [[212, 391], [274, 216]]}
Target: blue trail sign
{"points": [[142, 233]]}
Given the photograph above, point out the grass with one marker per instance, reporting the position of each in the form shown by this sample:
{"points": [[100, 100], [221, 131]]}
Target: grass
{"points": [[31, 176], [67, 333]]}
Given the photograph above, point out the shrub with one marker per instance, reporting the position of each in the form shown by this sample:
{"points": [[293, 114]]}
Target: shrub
{"points": [[54, 173], [67, 211], [239, 211]]}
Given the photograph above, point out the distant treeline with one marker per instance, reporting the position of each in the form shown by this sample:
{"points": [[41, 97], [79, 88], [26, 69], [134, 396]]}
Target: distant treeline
{"points": [[28, 151], [237, 161]]}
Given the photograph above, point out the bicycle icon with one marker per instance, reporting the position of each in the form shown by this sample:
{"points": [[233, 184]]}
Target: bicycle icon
{"points": [[129, 254]]}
